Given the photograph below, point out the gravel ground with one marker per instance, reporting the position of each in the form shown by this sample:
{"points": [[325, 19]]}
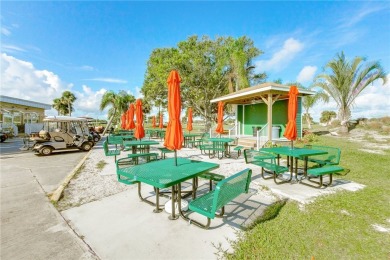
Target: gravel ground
{"points": [[97, 179]]}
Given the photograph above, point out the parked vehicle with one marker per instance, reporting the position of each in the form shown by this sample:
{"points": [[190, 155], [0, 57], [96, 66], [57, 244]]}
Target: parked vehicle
{"points": [[3, 136], [62, 133]]}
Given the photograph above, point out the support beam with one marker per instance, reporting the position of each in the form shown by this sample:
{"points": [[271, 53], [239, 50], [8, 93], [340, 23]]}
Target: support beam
{"points": [[269, 116]]}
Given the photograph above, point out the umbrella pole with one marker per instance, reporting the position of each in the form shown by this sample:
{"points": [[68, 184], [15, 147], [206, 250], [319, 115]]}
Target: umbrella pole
{"points": [[292, 144], [175, 158]]}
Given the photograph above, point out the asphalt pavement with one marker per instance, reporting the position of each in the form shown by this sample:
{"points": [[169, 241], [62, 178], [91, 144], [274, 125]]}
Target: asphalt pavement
{"points": [[31, 227]]}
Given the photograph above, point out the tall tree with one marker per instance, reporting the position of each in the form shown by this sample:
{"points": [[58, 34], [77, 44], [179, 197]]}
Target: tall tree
{"points": [[344, 80], [59, 105], [237, 57], [68, 98], [309, 101], [118, 102], [204, 67]]}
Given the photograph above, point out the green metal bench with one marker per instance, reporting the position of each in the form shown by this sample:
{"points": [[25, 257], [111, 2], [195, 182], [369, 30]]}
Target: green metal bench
{"points": [[198, 141], [225, 191], [148, 156], [110, 152], [331, 158], [164, 151], [212, 177], [121, 163], [320, 172], [267, 162], [216, 148]]}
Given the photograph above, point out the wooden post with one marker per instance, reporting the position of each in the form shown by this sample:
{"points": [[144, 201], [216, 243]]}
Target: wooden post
{"points": [[269, 117]]}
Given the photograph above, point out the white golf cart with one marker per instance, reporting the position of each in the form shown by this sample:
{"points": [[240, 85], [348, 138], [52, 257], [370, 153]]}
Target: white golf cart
{"points": [[62, 133]]}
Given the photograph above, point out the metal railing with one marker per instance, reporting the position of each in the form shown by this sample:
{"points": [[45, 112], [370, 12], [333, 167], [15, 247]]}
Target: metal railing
{"points": [[261, 137], [235, 130]]}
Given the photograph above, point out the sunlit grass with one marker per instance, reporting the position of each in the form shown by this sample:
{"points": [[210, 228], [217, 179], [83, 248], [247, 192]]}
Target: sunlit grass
{"points": [[337, 226]]}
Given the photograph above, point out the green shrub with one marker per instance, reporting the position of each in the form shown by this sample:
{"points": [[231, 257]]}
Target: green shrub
{"points": [[335, 123]]}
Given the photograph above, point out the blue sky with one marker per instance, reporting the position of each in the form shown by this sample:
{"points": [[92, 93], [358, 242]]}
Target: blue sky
{"points": [[90, 47]]}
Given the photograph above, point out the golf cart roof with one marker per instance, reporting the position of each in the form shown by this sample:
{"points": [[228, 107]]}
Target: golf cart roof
{"points": [[63, 119]]}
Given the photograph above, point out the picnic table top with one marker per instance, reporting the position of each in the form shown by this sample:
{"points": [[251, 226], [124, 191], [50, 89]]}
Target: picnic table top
{"points": [[140, 142], [164, 173], [294, 152]]}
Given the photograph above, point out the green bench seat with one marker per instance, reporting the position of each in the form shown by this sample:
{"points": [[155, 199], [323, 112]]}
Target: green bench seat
{"points": [[225, 191], [110, 152], [320, 172], [331, 158], [148, 156], [164, 151], [212, 177], [121, 163], [267, 162]]}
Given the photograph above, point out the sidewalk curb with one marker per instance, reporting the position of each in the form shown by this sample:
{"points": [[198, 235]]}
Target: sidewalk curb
{"points": [[55, 197]]}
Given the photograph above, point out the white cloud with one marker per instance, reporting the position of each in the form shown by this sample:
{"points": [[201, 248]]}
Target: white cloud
{"points": [[87, 68], [20, 79], [11, 48], [109, 80], [282, 57], [373, 101], [5, 31], [306, 74]]}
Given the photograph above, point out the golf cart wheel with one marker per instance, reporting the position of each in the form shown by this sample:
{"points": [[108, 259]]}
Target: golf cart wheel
{"points": [[86, 146], [46, 150], [3, 139], [96, 139]]}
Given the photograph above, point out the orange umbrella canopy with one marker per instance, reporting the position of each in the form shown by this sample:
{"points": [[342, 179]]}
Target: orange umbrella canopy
{"points": [[130, 117], [189, 122], [123, 121], [219, 128], [154, 122], [291, 129], [161, 121], [174, 134], [139, 128]]}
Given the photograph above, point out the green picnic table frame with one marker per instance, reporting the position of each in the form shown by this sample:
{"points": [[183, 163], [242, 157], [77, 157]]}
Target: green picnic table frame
{"points": [[297, 153], [225, 142], [190, 137], [135, 143], [164, 174]]}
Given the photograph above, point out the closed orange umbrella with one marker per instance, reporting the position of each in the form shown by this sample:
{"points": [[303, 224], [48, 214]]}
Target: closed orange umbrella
{"points": [[161, 121], [174, 134], [154, 122], [139, 127], [189, 122], [130, 117], [219, 128], [291, 129], [123, 121]]}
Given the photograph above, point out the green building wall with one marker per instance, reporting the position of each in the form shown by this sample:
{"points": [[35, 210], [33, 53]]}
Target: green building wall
{"points": [[256, 116]]}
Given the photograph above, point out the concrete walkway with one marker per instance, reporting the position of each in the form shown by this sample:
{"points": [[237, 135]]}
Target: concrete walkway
{"points": [[31, 228]]}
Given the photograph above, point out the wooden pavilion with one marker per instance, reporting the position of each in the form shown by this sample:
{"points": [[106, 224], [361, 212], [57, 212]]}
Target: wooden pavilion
{"points": [[264, 107]]}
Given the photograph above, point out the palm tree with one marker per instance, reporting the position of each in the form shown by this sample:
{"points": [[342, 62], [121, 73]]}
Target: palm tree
{"points": [[309, 101], [59, 106], [118, 102], [68, 98], [346, 80], [238, 54]]}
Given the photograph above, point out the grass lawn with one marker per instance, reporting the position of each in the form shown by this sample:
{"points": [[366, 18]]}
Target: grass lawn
{"points": [[337, 226]]}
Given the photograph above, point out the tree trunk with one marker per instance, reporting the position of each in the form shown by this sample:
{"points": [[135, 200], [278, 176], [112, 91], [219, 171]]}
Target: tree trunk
{"points": [[108, 124], [308, 122]]}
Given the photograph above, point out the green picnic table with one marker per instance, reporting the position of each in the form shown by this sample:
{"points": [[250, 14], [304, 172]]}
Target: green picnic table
{"points": [[297, 153], [190, 137], [164, 174]]}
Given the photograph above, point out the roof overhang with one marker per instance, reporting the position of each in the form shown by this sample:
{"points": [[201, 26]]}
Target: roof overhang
{"points": [[22, 102], [254, 94]]}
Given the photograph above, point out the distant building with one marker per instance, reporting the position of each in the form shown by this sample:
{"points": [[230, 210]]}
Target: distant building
{"points": [[18, 112]]}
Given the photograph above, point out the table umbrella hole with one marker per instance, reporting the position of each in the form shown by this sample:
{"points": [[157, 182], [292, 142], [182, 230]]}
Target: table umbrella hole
{"points": [[168, 206]]}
